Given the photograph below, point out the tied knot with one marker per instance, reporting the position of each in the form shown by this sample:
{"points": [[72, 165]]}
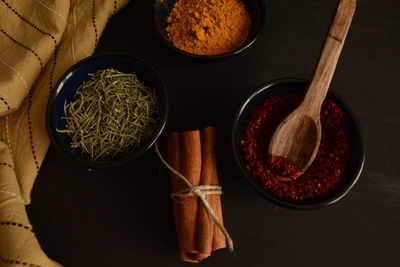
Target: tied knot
{"points": [[196, 190], [200, 191]]}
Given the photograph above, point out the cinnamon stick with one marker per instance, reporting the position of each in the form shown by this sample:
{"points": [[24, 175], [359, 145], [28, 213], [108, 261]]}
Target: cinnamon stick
{"points": [[185, 146], [192, 154], [210, 238]]}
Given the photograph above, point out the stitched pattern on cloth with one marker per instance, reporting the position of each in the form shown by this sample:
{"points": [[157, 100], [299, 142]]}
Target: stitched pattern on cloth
{"points": [[52, 10], [114, 10], [45, 33], [5, 103], [18, 73], [31, 132], [7, 223], [8, 138], [19, 262], [24, 46], [31, 30], [19, 198], [73, 35], [30, 93], [6, 164], [94, 22]]}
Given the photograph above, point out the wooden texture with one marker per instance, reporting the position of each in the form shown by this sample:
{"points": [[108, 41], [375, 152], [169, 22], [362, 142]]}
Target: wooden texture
{"points": [[298, 136]]}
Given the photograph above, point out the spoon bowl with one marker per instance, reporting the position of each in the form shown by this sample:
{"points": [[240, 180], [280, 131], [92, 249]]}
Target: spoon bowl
{"points": [[297, 136]]}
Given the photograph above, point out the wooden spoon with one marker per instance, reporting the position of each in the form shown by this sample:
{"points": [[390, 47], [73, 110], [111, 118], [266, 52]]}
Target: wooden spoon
{"points": [[298, 136]]}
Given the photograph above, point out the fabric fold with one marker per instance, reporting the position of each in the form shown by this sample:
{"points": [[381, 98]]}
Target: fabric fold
{"points": [[39, 41]]}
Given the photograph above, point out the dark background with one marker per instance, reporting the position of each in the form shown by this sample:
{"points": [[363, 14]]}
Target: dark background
{"points": [[122, 216]]}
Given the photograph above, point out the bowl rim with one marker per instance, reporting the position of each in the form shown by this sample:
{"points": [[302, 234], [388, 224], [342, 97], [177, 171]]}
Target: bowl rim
{"points": [[219, 56], [92, 165], [254, 184]]}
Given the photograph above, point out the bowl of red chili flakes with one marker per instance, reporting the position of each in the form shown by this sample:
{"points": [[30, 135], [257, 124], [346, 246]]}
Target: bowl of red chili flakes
{"points": [[339, 161]]}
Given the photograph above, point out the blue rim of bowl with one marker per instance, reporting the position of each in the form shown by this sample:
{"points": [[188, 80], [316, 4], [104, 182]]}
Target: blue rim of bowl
{"points": [[264, 193], [112, 163], [225, 55]]}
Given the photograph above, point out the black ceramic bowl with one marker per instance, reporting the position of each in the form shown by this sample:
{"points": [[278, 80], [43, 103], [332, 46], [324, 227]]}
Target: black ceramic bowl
{"points": [[351, 173], [255, 8], [65, 91]]}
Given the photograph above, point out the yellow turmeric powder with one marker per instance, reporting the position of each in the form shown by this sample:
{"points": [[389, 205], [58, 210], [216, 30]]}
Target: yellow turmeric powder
{"points": [[208, 27]]}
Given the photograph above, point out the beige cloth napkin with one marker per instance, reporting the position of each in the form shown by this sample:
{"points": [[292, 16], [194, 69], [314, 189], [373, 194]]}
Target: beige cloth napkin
{"points": [[39, 41]]}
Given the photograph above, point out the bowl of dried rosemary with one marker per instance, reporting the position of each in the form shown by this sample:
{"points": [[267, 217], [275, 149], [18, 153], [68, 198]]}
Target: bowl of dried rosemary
{"points": [[107, 110]]}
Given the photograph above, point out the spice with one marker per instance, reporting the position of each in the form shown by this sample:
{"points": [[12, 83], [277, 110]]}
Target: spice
{"points": [[325, 172], [192, 154], [283, 169], [112, 113], [208, 27]]}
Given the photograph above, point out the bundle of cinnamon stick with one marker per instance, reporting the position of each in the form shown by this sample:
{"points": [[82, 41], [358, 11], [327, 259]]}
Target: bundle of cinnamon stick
{"points": [[192, 154]]}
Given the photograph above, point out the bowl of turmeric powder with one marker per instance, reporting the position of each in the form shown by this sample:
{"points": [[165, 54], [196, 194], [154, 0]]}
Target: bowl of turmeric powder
{"points": [[208, 28]]}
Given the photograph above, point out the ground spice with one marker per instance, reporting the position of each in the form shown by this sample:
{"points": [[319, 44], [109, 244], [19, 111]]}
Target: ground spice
{"points": [[208, 27], [325, 172], [283, 168]]}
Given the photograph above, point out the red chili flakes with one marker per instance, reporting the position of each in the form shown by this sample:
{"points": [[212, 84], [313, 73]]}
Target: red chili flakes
{"points": [[324, 173], [283, 169]]}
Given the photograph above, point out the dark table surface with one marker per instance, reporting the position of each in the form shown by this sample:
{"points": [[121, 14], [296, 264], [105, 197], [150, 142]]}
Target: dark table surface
{"points": [[122, 216]]}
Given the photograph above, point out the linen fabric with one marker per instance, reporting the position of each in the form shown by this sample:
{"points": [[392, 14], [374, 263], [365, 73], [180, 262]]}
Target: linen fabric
{"points": [[39, 41]]}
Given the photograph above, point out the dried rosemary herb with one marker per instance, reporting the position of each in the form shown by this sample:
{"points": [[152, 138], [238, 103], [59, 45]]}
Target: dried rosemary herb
{"points": [[112, 113]]}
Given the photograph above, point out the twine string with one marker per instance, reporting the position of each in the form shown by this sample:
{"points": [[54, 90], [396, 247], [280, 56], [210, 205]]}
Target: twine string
{"points": [[206, 189], [200, 191]]}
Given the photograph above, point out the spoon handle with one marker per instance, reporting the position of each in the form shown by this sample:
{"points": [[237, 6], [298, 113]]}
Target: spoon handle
{"points": [[319, 85]]}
